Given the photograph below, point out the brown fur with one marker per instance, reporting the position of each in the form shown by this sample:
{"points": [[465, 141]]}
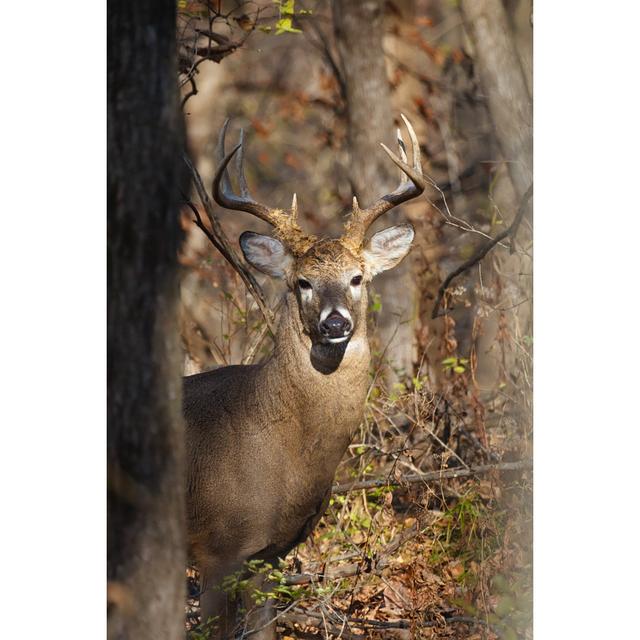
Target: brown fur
{"points": [[287, 230], [264, 441], [328, 260]]}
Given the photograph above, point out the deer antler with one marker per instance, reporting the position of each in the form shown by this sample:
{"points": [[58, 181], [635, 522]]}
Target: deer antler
{"points": [[412, 184], [286, 225]]}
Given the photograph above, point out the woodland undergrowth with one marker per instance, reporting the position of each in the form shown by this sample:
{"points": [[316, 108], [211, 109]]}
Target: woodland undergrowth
{"points": [[408, 558]]}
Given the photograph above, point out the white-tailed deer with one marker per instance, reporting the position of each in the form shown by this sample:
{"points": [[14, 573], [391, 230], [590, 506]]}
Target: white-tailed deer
{"points": [[264, 441]]}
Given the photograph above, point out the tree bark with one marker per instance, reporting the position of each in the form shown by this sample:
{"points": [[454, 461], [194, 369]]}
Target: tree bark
{"points": [[358, 26], [504, 85], [145, 440], [506, 89]]}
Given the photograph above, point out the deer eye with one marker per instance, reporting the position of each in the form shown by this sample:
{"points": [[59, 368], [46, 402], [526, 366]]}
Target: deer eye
{"points": [[356, 280], [304, 284]]}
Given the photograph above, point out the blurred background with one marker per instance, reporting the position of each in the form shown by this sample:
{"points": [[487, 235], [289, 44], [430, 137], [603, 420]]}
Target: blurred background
{"points": [[316, 86]]}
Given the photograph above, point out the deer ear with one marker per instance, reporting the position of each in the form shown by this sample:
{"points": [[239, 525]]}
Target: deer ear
{"points": [[266, 254], [386, 248]]}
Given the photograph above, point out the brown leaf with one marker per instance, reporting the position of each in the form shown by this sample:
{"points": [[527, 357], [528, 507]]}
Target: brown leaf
{"points": [[396, 595], [423, 21], [455, 569], [291, 160], [435, 53], [263, 130]]}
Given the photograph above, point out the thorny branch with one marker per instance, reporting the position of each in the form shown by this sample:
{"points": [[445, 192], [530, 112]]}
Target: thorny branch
{"points": [[510, 231]]}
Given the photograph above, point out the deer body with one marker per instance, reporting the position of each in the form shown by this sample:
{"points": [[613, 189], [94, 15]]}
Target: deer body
{"points": [[263, 444], [264, 441]]}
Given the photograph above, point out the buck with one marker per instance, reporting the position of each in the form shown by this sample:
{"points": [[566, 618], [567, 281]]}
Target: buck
{"points": [[264, 441]]}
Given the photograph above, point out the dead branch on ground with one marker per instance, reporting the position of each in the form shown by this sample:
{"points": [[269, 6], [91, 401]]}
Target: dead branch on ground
{"points": [[444, 474], [338, 625]]}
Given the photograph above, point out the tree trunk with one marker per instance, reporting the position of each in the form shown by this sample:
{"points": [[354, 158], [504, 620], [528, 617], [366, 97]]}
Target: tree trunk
{"points": [[145, 448], [359, 31], [504, 86]]}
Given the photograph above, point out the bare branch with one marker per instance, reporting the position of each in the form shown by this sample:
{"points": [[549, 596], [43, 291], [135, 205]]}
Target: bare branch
{"points": [[445, 474], [482, 252], [216, 46], [192, 92], [219, 239], [259, 337]]}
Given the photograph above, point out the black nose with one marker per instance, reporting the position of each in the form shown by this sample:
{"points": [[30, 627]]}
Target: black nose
{"points": [[335, 326]]}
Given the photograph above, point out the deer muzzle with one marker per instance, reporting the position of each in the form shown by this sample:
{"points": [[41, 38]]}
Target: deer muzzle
{"points": [[335, 327]]}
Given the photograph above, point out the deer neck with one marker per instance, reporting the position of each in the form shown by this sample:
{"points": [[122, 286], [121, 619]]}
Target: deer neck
{"points": [[326, 386]]}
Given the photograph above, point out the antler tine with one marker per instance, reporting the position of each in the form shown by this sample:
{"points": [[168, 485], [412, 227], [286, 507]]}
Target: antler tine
{"points": [[415, 145], [222, 190], [226, 182], [242, 181], [412, 184], [286, 225], [403, 154]]}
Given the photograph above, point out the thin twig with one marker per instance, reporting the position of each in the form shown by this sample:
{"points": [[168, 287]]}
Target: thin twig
{"points": [[258, 338], [482, 252]]}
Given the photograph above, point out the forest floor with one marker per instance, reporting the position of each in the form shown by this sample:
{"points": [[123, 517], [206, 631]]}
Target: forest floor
{"points": [[421, 553]]}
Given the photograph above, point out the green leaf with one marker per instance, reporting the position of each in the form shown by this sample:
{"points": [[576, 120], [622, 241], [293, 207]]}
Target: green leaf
{"points": [[285, 23]]}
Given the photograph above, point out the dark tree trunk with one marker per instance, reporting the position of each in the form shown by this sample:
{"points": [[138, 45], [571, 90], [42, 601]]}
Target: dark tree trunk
{"points": [[145, 501], [359, 31]]}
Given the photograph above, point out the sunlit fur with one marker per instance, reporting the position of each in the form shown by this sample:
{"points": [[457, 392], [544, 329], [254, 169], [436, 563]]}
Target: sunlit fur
{"points": [[329, 267]]}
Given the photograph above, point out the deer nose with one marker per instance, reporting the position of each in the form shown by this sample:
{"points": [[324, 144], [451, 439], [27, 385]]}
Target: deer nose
{"points": [[335, 326]]}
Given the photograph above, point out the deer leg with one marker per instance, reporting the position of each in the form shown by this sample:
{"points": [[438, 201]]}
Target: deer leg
{"points": [[217, 608], [260, 621]]}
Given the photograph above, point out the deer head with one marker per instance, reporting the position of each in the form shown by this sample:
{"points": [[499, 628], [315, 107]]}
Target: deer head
{"points": [[327, 276]]}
